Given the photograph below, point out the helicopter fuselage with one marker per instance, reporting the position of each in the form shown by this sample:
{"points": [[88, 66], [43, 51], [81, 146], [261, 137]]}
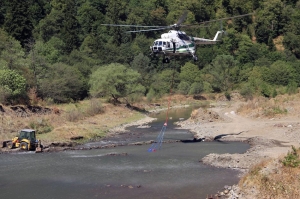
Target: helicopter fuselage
{"points": [[177, 42], [174, 43]]}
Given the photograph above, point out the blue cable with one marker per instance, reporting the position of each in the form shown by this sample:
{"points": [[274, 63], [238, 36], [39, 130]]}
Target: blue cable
{"points": [[159, 140]]}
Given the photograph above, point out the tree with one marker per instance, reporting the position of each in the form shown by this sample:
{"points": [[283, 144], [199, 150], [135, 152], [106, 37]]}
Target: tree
{"points": [[61, 83], [12, 85], [17, 21], [280, 73], [142, 64], [61, 23], [163, 82], [116, 81], [11, 53], [190, 73], [292, 43], [220, 69], [116, 14]]}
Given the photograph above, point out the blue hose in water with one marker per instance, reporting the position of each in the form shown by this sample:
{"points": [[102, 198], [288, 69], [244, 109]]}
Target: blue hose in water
{"points": [[157, 144]]}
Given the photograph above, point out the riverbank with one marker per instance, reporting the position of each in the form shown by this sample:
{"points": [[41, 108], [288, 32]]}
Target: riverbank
{"points": [[270, 126], [269, 135]]}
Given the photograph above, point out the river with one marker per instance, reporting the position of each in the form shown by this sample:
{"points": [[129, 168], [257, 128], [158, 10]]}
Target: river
{"points": [[122, 172]]}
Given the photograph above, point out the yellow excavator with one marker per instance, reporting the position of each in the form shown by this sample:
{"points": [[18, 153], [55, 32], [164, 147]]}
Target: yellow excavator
{"points": [[26, 140]]}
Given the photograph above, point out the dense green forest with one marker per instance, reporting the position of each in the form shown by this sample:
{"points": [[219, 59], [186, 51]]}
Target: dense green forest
{"points": [[58, 51]]}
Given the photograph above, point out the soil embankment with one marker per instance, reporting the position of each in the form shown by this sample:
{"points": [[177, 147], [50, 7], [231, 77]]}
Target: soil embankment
{"points": [[269, 137]]}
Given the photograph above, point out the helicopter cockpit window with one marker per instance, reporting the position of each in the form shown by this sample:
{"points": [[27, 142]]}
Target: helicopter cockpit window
{"points": [[164, 44], [160, 43], [168, 44], [183, 37]]}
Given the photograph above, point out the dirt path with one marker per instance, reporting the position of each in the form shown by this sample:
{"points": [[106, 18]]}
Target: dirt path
{"points": [[269, 138]]}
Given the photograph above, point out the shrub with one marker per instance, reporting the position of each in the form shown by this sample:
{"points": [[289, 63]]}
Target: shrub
{"points": [[183, 88], [292, 88], [247, 91], [291, 159], [41, 126], [94, 107], [73, 115], [196, 88], [227, 95]]}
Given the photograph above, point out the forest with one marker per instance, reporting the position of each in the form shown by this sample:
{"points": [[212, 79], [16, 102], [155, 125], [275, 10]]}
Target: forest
{"points": [[57, 51]]}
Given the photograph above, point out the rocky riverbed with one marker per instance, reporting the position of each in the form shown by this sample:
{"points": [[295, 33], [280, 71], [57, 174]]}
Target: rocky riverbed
{"points": [[268, 137]]}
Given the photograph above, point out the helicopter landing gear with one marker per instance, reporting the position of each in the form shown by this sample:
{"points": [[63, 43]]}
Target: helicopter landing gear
{"points": [[166, 60]]}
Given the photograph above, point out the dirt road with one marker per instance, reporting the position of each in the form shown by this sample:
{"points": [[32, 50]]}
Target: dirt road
{"points": [[268, 137]]}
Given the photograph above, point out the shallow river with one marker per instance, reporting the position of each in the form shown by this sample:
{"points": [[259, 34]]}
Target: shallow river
{"points": [[133, 172]]}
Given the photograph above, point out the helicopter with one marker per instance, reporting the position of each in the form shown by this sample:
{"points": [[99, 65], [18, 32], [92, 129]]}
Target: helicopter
{"points": [[177, 42]]}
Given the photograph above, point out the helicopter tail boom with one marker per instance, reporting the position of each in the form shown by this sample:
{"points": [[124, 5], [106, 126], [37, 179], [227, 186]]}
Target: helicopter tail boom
{"points": [[217, 35]]}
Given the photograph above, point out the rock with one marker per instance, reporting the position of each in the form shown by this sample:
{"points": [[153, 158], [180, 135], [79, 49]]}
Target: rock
{"points": [[76, 137]]}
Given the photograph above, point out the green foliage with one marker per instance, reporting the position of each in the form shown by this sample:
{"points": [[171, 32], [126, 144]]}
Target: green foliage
{"points": [[183, 87], [61, 83], [220, 69], [227, 95], [275, 110], [190, 73], [292, 88], [164, 81], [116, 81], [279, 73], [196, 88], [266, 90], [246, 91], [17, 20], [41, 34], [292, 158], [12, 85], [41, 126], [292, 42]]}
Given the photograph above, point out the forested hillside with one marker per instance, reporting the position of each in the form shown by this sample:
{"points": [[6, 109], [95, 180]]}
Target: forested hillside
{"points": [[58, 51]]}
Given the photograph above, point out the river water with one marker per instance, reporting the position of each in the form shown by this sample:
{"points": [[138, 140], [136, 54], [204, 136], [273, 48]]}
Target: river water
{"points": [[124, 172]]}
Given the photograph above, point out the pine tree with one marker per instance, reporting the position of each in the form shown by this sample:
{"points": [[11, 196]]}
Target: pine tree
{"points": [[17, 20]]}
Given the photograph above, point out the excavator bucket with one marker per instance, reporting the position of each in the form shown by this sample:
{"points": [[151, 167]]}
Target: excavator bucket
{"points": [[39, 147]]}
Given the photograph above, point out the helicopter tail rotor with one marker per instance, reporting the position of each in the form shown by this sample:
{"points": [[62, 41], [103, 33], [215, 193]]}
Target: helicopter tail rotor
{"points": [[221, 28]]}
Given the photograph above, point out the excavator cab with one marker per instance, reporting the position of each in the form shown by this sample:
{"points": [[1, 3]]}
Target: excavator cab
{"points": [[27, 134]]}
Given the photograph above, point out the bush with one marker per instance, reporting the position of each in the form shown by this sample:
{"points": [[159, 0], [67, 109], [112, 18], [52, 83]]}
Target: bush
{"points": [[151, 95], [41, 126], [73, 115], [227, 95], [291, 159], [247, 91], [183, 88], [196, 88], [94, 107], [292, 88]]}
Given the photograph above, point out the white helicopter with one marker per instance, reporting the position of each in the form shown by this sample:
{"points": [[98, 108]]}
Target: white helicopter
{"points": [[177, 42]]}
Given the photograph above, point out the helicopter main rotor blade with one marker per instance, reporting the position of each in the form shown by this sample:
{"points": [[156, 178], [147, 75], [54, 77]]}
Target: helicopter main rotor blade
{"points": [[226, 18], [137, 26], [182, 18], [163, 28]]}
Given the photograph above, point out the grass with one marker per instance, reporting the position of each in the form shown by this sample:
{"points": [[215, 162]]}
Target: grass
{"points": [[90, 118], [274, 178], [264, 107]]}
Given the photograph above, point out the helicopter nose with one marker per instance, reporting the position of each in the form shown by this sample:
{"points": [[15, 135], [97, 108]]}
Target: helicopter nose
{"points": [[156, 49]]}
